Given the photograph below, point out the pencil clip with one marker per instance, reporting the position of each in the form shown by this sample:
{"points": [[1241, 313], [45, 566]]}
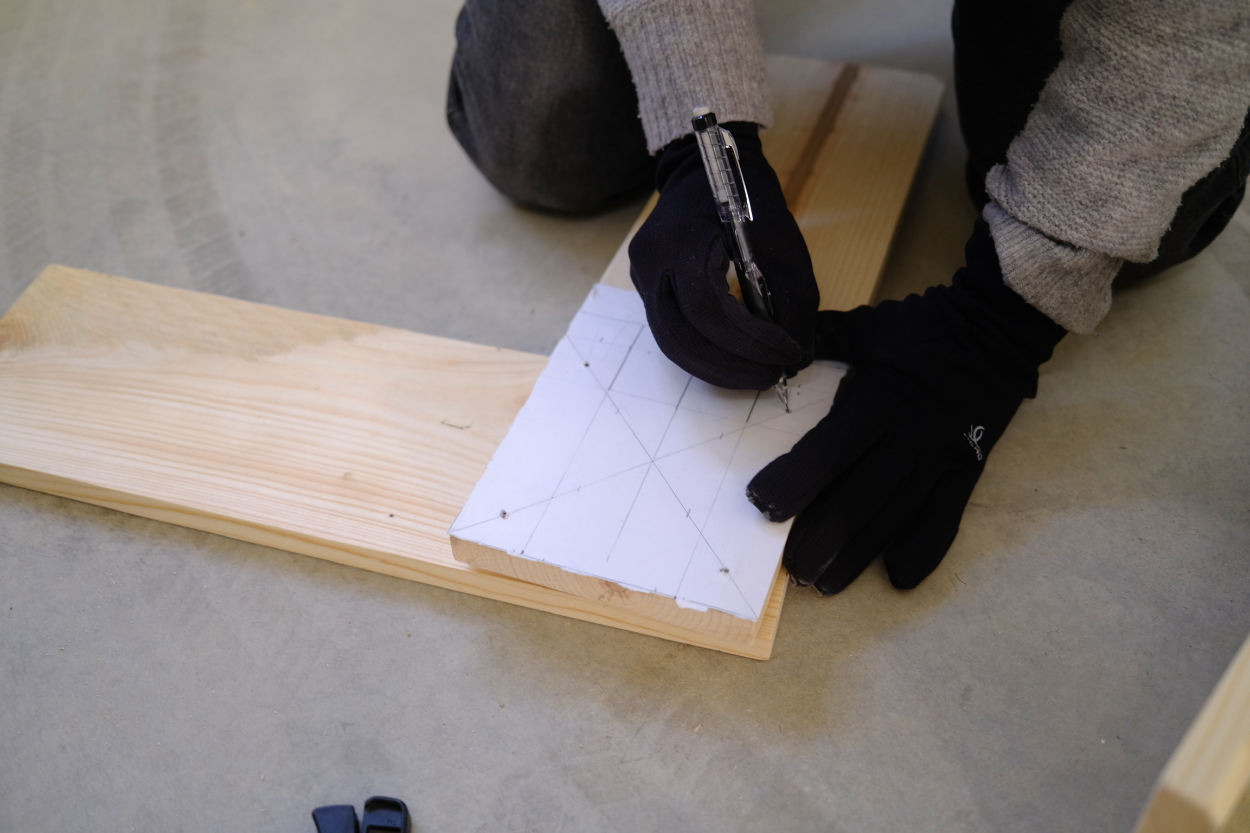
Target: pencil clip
{"points": [[732, 147]]}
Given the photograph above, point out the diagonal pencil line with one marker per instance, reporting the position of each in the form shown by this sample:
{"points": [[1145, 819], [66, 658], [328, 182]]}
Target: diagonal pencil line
{"points": [[745, 601], [557, 496], [673, 415], [689, 560], [717, 438], [628, 352], [585, 433], [762, 424], [699, 529], [585, 362], [684, 391], [596, 481], [754, 402], [645, 450], [607, 391], [565, 474], [546, 505], [677, 498], [621, 529], [688, 408], [719, 486], [611, 318]]}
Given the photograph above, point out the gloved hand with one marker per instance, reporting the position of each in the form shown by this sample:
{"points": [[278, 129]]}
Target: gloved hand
{"points": [[934, 380], [678, 263]]}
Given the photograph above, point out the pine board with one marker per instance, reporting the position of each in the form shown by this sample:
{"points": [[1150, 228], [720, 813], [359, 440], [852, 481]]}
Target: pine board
{"points": [[329, 438], [1205, 786]]}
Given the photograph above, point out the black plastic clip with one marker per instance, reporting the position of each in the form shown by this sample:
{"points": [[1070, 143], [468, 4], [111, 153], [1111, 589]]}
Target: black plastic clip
{"points": [[336, 818], [384, 815]]}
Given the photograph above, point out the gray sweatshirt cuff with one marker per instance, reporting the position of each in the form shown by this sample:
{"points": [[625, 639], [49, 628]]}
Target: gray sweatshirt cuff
{"points": [[685, 54], [1072, 286], [1148, 98]]}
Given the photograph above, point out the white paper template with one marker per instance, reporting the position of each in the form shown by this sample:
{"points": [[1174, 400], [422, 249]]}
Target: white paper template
{"points": [[624, 467]]}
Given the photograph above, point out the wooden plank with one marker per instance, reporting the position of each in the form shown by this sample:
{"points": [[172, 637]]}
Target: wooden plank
{"points": [[330, 438], [1205, 787], [325, 437], [845, 144]]}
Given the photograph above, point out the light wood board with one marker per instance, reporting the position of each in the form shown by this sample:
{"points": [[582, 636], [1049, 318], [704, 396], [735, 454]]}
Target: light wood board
{"points": [[335, 439], [1205, 787], [325, 437], [846, 144]]}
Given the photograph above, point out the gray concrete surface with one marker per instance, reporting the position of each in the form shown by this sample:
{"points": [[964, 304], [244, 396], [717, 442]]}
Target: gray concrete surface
{"points": [[155, 678]]}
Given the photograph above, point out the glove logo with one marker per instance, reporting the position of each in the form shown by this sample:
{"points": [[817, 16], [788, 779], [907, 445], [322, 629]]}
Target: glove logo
{"points": [[974, 435]]}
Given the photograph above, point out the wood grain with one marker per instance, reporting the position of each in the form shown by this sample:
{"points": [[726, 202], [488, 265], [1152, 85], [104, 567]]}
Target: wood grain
{"points": [[344, 441], [331, 438], [849, 207], [1205, 787]]}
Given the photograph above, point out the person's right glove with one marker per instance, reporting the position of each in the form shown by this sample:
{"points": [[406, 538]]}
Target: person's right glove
{"points": [[678, 262], [934, 380]]}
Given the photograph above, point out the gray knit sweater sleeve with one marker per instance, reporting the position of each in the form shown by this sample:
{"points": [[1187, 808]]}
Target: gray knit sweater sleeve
{"points": [[1148, 98], [691, 53]]}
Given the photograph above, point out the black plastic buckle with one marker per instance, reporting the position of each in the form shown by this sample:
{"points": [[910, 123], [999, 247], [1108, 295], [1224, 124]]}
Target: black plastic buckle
{"points": [[336, 818], [385, 815]]}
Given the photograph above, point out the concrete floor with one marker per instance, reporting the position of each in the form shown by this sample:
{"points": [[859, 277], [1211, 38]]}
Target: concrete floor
{"points": [[155, 678]]}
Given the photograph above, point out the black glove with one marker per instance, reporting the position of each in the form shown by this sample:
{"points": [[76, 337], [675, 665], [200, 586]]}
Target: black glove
{"points": [[678, 263], [934, 380]]}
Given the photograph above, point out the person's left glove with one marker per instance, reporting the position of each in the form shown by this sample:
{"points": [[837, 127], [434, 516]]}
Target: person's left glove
{"points": [[679, 264], [934, 380]]}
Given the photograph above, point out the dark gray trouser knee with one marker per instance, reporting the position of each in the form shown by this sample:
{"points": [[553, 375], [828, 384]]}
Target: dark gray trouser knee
{"points": [[542, 101]]}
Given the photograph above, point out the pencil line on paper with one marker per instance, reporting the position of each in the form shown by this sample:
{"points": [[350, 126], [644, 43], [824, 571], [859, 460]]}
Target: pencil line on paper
{"points": [[702, 537], [689, 561], [715, 497], [621, 367], [673, 415], [565, 474], [613, 319], [717, 438], [621, 529], [754, 402], [572, 491]]}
